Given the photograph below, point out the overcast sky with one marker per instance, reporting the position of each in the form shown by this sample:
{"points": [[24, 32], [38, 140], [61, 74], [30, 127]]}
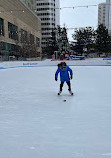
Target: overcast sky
{"points": [[79, 17]]}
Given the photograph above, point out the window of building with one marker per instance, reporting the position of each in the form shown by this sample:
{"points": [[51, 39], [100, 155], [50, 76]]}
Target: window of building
{"points": [[23, 37], [1, 27], [28, 4], [12, 31], [34, 5], [46, 4], [8, 48], [32, 8], [38, 42], [2, 48], [35, 12], [31, 1], [31, 39]]}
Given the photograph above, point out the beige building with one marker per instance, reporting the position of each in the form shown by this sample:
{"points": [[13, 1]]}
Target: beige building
{"points": [[20, 28]]}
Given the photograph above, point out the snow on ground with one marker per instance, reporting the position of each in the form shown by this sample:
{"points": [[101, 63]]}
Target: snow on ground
{"points": [[36, 123]]}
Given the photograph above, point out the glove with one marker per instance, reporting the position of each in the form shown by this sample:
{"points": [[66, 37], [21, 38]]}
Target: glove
{"points": [[71, 77], [55, 79]]}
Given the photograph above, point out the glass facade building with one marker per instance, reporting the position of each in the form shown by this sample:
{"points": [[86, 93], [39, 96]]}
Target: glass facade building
{"points": [[31, 4]]}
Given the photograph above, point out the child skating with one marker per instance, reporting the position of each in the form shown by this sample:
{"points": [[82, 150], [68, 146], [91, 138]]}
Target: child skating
{"points": [[65, 75]]}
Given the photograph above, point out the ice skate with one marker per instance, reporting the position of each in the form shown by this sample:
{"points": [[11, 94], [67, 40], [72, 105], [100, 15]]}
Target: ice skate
{"points": [[59, 92], [71, 92]]}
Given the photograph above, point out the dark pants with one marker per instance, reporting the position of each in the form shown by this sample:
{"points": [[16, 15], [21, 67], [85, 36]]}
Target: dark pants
{"points": [[68, 83]]}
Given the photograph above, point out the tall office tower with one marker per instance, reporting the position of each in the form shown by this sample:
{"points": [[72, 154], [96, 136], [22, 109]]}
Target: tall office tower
{"points": [[108, 16], [49, 13], [101, 13]]}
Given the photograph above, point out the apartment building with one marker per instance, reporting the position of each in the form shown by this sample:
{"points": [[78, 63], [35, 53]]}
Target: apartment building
{"points": [[18, 24], [102, 13], [49, 13]]}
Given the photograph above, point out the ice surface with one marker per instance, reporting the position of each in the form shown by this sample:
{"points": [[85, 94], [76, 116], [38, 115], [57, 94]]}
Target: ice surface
{"points": [[36, 123]]}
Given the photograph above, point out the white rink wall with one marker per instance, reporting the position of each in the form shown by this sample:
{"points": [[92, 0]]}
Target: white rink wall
{"points": [[48, 62]]}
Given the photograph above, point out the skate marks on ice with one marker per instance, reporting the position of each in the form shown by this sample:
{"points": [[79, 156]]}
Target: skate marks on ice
{"points": [[106, 154]]}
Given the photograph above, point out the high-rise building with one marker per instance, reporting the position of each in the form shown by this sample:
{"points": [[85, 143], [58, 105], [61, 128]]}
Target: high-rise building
{"points": [[104, 15], [19, 28], [101, 13], [57, 13], [49, 13], [108, 16]]}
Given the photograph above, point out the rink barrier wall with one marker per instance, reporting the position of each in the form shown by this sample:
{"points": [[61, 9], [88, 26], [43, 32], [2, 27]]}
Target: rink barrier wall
{"points": [[49, 63], [1, 68]]}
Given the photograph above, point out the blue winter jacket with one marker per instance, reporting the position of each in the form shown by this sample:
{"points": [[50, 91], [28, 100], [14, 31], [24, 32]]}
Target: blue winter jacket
{"points": [[64, 75]]}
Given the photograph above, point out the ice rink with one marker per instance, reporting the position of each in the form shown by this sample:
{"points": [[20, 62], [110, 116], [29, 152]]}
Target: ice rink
{"points": [[36, 123]]}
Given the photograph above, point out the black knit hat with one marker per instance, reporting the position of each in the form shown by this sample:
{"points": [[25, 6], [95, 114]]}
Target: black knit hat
{"points": [[62, 66]]}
